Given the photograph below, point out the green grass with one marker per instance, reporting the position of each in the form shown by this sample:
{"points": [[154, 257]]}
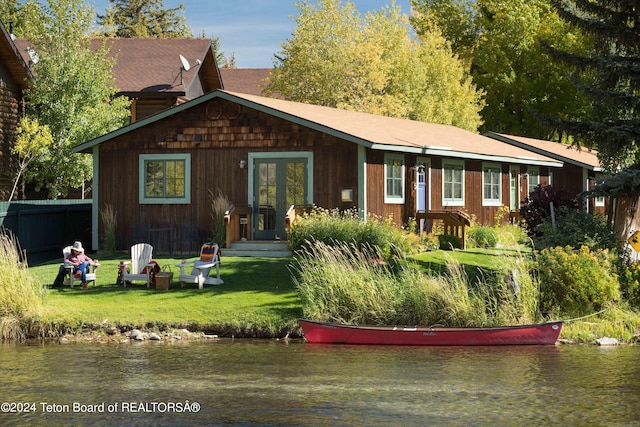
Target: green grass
{"points": [[258, 298]]}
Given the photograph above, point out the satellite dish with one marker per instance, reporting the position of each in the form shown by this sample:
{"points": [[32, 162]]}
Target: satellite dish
{"points": [[185, 63]]}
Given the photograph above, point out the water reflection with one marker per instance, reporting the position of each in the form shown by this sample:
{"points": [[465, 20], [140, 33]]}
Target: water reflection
{"points": [[274, 383]]}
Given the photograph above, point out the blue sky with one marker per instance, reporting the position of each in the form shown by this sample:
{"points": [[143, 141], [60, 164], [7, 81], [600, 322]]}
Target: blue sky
{"points": [[251, 29]]}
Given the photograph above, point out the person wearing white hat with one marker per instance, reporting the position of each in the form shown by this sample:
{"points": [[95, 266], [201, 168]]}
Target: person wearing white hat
{"points": [[80, 262]]}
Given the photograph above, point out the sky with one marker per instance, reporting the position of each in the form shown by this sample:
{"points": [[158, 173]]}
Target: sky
{"points": [[250, 29]]}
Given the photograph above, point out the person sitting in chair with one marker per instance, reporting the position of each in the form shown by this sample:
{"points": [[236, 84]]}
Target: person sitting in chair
{"points": [[80, 262]]}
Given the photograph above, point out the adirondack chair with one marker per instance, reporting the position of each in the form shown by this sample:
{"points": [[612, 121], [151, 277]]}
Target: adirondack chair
{"points": [[140, 267], [202, 267], [69, 277]]}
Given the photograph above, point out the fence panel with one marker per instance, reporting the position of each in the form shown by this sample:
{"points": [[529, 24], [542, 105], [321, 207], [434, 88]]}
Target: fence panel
{"points": [[44, 227]]}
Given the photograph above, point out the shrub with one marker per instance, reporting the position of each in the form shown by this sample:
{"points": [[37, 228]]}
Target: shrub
{"points": [[576, 282], [449, 242], [537, 206], [219, 206], [109, 222], [576, 228], [483, 237], [629, 278]]}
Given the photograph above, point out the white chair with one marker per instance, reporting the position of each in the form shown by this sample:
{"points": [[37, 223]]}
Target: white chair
{"points": [[202, 267], [140, 267], [69, 277]]}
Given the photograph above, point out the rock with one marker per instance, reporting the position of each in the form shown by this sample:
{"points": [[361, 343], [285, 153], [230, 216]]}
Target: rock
{"points": [[137, 335], [111, 330], [607, 341], [154, 337]]}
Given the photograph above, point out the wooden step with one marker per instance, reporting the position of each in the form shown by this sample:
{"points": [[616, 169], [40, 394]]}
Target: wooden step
{"points": [[258, 248]]}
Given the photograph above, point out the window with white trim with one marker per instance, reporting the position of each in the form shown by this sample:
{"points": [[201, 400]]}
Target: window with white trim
{"points": [[452, 183], [533, 179], [164, 179], [393, 178], [491, 185]]}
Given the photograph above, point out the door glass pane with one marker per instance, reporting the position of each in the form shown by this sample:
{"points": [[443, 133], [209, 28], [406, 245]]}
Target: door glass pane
{"points": [[267, 193], [295, 183]]}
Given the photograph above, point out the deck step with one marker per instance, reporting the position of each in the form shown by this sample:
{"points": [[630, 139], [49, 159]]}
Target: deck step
{"points": [[258, 248]]}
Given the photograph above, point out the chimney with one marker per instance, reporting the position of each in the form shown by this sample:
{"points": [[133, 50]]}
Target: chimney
{"points": [[13, 37]]}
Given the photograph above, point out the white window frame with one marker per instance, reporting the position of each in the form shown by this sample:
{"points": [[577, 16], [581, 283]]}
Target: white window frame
{"points": [[532, 170], [491, 201], [394, 198], [143, 200], [452, 201]]}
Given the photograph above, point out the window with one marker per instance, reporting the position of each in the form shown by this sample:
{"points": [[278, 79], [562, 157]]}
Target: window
{"points": [[534, 178], [491, 185], [165, 178], [393, 179], [452, 183]]}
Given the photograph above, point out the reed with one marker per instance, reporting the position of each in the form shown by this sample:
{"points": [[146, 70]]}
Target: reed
{"points": [[109, 222], [344, 283], [219, 205], [21, 296]]}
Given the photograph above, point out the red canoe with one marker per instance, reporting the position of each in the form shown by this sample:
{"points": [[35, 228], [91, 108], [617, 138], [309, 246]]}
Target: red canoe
{"points": [[334, 333]]}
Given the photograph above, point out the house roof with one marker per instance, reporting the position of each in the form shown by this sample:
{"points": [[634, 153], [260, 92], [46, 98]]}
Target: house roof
{"points": [[154, 65], [372, 131], [245, 80], [12, 60], [562, 152]]}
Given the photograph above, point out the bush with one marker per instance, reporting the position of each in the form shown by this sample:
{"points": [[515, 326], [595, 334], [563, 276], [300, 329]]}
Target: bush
{"points": [[576, 228], [537, 206], [576, 282], [629, 278], [335, 227], [483, 237], [449, 242]]}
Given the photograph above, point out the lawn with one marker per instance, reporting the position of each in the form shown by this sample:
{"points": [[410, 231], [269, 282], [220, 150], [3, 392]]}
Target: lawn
{"points": [[257, 298]]}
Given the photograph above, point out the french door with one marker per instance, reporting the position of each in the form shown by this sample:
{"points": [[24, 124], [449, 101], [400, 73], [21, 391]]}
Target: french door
{"points": [[278, 184]]}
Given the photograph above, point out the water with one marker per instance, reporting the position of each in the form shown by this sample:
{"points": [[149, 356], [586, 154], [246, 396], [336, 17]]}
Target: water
{"points": [[274, 383]]}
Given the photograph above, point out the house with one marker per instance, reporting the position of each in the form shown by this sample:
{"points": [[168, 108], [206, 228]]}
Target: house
{"points": [[245, 80], [156, 74], [267, 155], [14, 80], [580, 171]]}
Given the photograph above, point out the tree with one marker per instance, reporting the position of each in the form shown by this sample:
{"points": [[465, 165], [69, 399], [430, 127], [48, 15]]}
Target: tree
{"points": [[609, 75], [370, 63], [72, 93], [33, 142], [500, 41], [143, 18]]}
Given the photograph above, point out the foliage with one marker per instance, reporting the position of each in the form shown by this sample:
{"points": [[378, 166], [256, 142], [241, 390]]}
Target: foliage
{"points": [[629, 279], [71, 93], [609, 76], [21, 296], [500, 41], [537, 206], [340, 59], [577, 228], [449, 242], [430, 242], [143, 19], [219, 206], [576, 282], [33, 142], [334, 227], [109, 223], [483, 237], [340, 283], [623, 183]]}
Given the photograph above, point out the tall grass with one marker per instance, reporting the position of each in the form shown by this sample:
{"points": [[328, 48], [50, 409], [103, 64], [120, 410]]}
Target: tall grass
{"points": [[109, 222], [344, 283], [219, 205], [21, 296]]}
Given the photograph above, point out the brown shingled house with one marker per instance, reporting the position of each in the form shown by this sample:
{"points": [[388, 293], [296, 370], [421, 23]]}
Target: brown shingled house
{"points": [[150, 72], [270, 156], [14, 79], [245, 80]]}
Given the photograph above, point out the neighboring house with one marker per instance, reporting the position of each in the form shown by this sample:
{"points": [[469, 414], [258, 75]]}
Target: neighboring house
{"points": [[250, 81], [14, 80], [150, 72], [580, 171], [267, 155]]}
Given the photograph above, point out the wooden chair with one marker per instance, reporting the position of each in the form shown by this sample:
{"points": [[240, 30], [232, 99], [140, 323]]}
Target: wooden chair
{"points": [[140, 267], [202, 267], [69, 277]]}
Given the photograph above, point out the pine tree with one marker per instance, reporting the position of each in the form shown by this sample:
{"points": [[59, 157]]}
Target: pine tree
{"points": [[143, 18], [609, 75]]}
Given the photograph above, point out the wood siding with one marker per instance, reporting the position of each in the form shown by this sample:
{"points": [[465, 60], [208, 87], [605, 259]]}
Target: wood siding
{"points": [[10, 100]]}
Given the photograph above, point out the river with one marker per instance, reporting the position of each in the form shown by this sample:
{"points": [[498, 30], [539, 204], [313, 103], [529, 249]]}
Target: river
{"points": [[292, 383]]}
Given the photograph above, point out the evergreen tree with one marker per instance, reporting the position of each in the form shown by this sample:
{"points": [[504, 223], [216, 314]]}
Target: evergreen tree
{"points": [[143, 18], [609, 75]]}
